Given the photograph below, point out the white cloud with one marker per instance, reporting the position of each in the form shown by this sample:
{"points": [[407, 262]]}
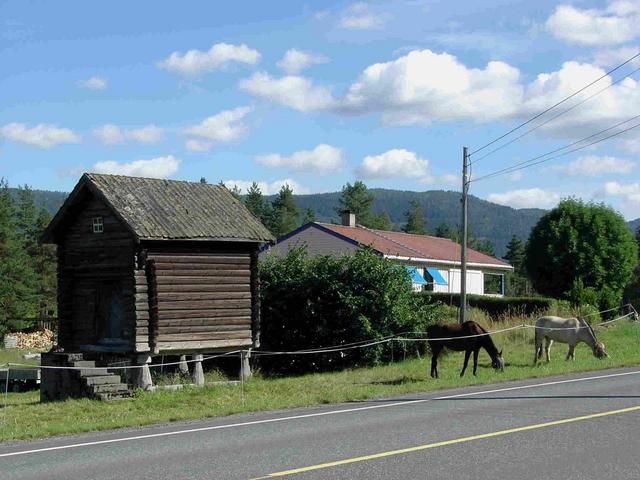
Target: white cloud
{"points": [[616, 24], [445, 179], [94, 83], [630, 192], [360, 17], [225, 126], [42, 135], [526, 198], [267, 188], [218, 56], [397, 162], [615, 56], [617, 103], [631, 145], [296, 60], [322, 159], [110, 134], [292, 91], [424, 86], [514, 176], [160, 167], [194, 145], [595, 166]]}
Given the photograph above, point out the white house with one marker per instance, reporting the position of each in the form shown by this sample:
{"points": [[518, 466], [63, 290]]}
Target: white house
{"points": [[433, 262]]}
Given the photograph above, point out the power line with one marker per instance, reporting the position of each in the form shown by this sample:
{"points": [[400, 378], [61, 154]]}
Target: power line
{"points": [[554, 117], [540, 158], [555, 105]]}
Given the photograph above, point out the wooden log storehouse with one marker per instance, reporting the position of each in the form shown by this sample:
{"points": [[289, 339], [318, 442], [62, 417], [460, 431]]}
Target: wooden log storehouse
{"points": [[154, 267]]}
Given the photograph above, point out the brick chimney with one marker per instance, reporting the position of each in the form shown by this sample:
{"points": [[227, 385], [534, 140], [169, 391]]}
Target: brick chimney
{"points": [[348, 219]]}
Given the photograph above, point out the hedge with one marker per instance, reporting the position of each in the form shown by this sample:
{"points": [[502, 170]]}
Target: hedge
{"points": [[494, 306], [312, 302]]}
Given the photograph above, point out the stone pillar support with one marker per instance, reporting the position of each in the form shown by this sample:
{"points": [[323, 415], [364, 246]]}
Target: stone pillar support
{"points": [[245, 367], [183, 367], [142, 376], [197, 375]]}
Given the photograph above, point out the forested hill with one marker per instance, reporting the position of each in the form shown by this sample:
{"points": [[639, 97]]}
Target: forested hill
{"points": [[51, 200], [487, 220]]}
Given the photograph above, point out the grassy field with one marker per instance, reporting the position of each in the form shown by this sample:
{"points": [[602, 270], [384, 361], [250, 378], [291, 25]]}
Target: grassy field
{"points": [[14, 355], [24, 417]]}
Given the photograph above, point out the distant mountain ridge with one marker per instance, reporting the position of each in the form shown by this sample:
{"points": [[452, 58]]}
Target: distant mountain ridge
{"points": [[497, 223], [50, 199], [487, 220]]}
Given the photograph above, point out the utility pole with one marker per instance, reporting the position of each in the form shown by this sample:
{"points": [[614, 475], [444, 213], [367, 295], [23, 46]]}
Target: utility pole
{"points": [[463, 239]]}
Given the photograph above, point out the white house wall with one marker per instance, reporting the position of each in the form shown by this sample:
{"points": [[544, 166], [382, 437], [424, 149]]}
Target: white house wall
{"points": [[475, 281]]}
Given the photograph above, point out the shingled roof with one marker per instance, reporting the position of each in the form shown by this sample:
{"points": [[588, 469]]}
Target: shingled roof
{"points": [[413, 246], [155, 209]]}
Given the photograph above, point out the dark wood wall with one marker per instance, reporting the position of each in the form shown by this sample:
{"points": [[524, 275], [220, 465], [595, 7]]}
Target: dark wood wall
{"points": [[199, 297], [90, 263], [176, 296]]}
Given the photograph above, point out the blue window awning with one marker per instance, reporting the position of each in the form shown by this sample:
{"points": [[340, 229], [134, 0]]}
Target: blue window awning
{"points": [[438, 279], [416, 277]]}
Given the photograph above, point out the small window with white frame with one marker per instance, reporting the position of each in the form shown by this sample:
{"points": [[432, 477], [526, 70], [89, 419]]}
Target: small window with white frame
{"points": [[98, 225]]}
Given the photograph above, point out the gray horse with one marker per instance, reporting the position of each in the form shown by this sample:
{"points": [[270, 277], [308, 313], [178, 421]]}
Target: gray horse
{"points": [[566, 330]]}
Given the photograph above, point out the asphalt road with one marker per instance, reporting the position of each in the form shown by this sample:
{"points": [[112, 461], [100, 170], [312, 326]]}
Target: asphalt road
{"points": [[584, 426]]}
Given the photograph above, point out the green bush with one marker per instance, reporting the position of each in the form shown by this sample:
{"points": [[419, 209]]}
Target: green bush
{"points": [[495, 307], [313, 302]]}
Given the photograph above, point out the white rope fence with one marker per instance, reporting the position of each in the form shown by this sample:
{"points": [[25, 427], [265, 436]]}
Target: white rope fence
{"points": [[632, 315]]}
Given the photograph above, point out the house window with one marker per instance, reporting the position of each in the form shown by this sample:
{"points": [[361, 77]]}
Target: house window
{"points": [[98, 225]]}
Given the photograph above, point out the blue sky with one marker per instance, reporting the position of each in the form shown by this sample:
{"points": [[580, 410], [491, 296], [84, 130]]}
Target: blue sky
{"points": [[319, 94]]}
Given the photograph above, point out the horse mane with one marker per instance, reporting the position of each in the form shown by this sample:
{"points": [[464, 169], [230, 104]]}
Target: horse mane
{"points": [[588, 325], [487, 342]]}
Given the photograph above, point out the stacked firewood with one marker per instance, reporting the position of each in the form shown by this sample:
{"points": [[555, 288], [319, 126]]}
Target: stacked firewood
{"points": [[40, 340]]}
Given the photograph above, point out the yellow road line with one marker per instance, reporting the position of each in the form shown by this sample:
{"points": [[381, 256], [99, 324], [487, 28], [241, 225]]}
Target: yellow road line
{"points": [[447, 442]]}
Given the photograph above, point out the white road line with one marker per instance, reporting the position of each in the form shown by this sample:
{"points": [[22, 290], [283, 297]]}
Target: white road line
{"points": [[309, 415], [545, 384]]}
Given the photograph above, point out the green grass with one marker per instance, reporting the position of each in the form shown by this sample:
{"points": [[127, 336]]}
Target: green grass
{"points": [[24, 417], [14, 355]]}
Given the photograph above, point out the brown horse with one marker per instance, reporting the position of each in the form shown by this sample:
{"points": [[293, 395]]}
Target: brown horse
{"points": [[461, 336]]}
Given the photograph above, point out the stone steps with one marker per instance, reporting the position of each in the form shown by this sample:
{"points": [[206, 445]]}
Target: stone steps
{"points": [[102, 379], [93, 372], [98, 383], [84, 363], [110, 388], [108, 397]]}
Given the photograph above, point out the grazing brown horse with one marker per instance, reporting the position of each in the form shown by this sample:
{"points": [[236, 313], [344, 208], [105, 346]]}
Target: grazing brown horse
{"points": [[461, 337]]}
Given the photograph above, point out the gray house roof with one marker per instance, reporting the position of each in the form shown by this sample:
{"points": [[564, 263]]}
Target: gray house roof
{"points": [[155, 209]]}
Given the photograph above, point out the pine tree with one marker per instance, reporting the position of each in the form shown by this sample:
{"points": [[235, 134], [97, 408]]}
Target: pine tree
{"points": [[235, 191], [515, 254], [26, 215], [284, 216], [415, 219], [444, 230], [309, 216], [16, 296], [380, 221], [358, 200], [44, 265], [483, 246], [254, 200]]}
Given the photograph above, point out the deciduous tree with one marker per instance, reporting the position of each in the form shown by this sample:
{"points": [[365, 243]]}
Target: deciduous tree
{"points": [[581, 242]]}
